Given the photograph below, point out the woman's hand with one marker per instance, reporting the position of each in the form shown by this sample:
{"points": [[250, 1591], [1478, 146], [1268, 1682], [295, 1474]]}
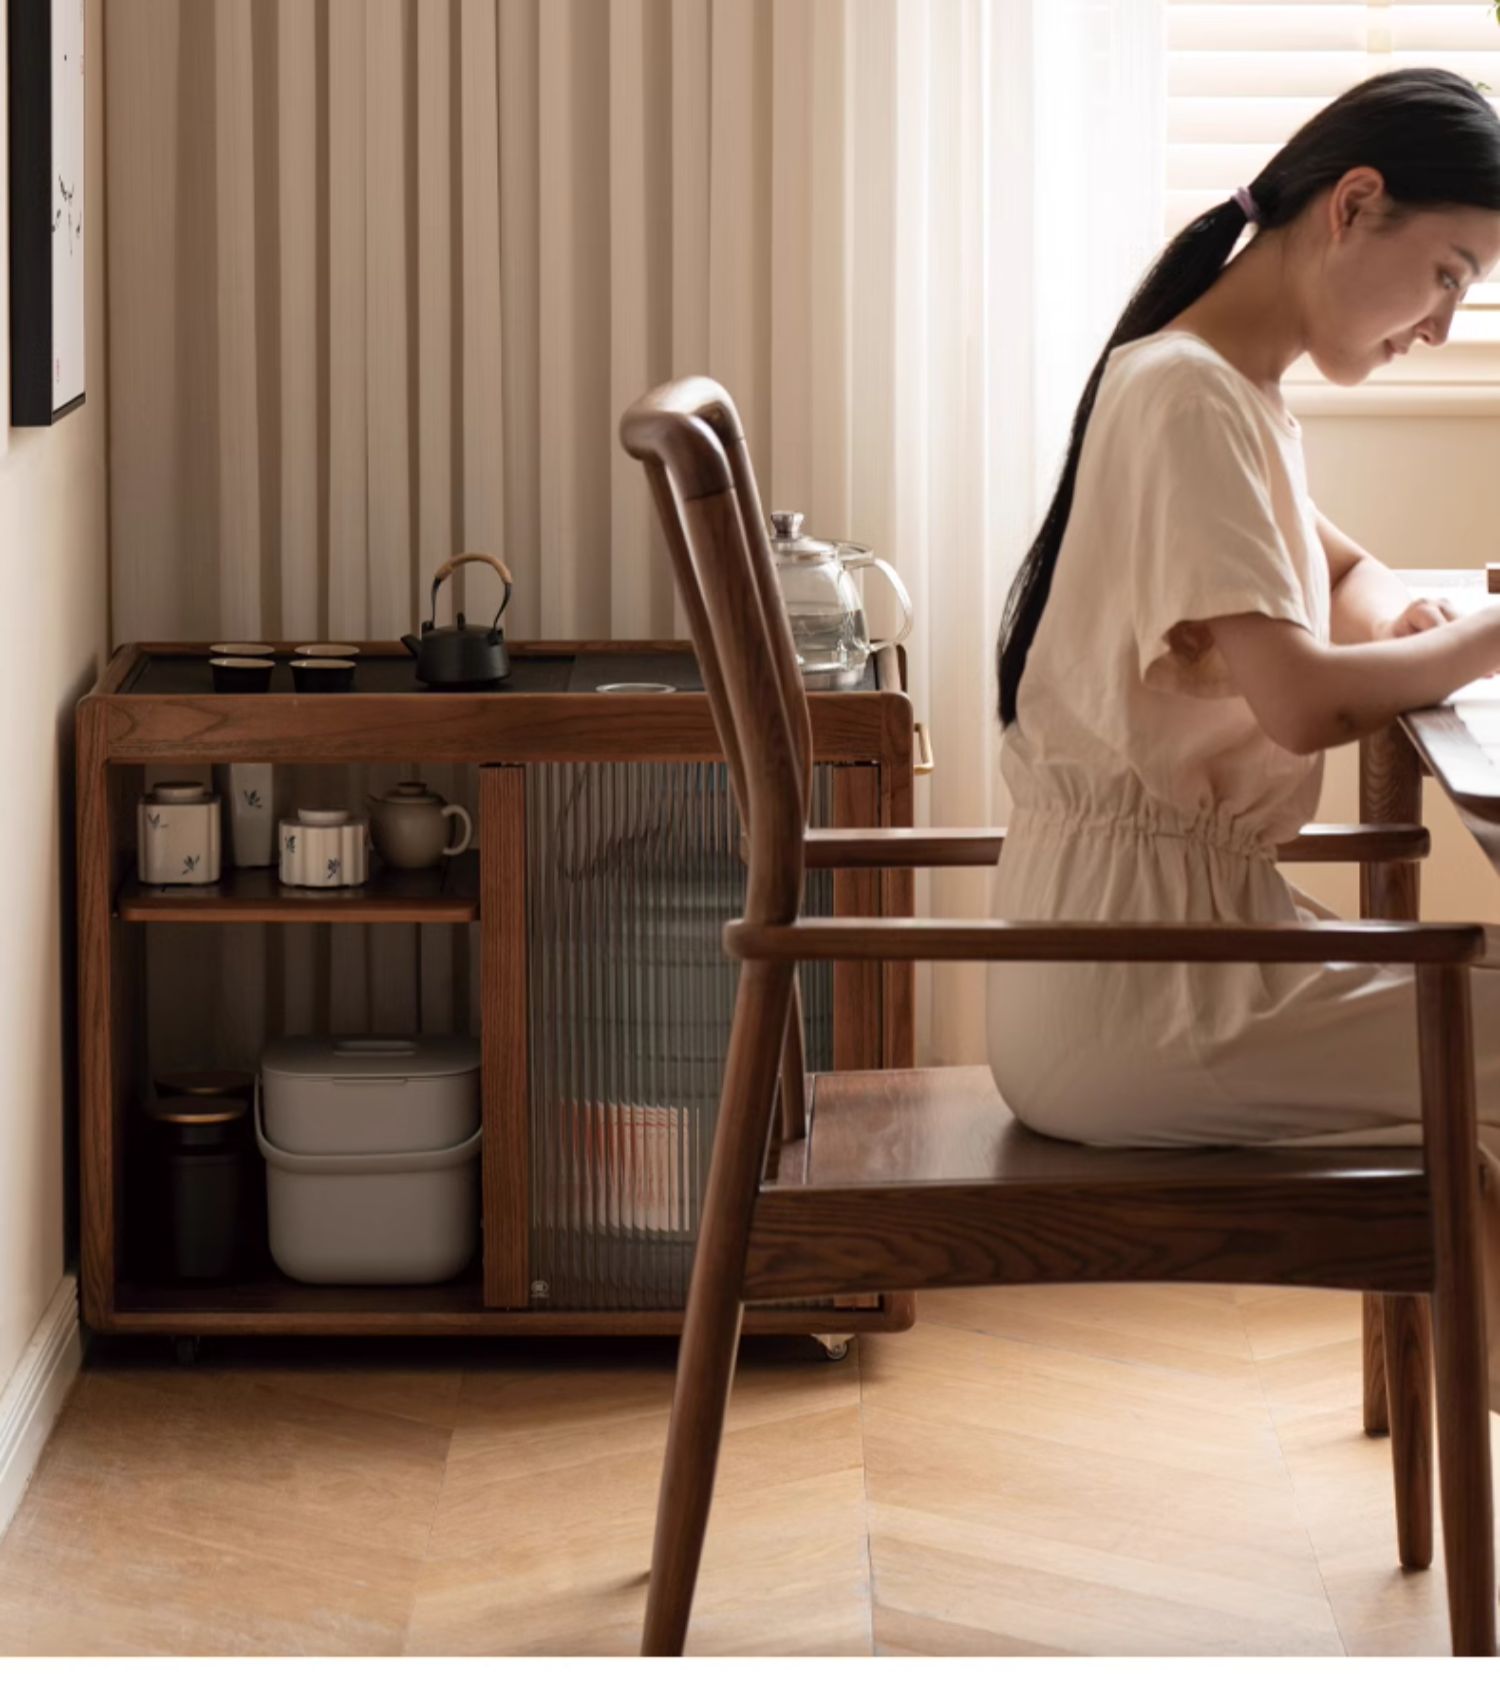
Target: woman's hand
{"points": [[1417, 618]]}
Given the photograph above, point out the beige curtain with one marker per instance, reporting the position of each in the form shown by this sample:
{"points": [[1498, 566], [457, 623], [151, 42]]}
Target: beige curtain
{"points": [[383, 275]]}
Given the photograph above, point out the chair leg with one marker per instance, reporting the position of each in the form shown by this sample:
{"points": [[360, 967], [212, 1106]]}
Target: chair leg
{"points": [[1372, 1323], [711, 1329], [1464, 1482], [1408, 1371], [1452, 1156]]}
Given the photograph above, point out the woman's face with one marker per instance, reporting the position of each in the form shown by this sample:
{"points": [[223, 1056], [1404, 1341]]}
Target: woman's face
{"points": [[1386, 277]]}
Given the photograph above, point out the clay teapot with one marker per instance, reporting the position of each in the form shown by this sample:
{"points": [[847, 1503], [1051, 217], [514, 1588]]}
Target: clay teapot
{"points": [[411, 829]]}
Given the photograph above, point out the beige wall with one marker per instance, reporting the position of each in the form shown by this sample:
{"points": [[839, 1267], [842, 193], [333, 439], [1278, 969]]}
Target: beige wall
{"points": [[1420, 492], [52, 551]]}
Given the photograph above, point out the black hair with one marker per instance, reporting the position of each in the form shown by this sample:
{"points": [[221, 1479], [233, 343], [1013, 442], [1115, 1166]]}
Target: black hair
{"points": [[1434, 138]]}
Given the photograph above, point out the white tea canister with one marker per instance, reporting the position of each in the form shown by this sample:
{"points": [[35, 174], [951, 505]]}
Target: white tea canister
{"points": [[177, 835], [249, 794], [324, 848]]}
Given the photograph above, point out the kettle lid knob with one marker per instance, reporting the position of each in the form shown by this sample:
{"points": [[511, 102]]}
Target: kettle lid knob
{"points": [[786, 525]]}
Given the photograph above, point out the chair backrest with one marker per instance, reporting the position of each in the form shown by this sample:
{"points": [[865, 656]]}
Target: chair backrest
{"points": [[688, 435]]}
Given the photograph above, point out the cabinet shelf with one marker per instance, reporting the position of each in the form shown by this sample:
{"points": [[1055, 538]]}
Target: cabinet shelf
{"points": [[448, 894], [273, 1304]]}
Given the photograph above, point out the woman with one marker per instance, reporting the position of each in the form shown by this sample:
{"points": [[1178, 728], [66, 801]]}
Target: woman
{"points": [[1188, 634]]}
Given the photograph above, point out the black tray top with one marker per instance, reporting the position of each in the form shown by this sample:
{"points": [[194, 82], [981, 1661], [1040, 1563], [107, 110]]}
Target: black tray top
{"points": [[178, 673], [678, 670], [172, 673]]}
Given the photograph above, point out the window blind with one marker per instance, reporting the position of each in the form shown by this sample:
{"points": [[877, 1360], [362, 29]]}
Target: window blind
{"points": [[1243, 75]]}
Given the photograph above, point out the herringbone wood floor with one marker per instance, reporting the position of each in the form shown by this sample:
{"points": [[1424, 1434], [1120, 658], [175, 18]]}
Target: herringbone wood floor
{"points": [[1143, 1470]]}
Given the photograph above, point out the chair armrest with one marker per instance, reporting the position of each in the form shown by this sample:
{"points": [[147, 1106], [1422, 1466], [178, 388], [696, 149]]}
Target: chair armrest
{"points": [[901, 848], [944, 848], [1357, 842], [921, 939]]}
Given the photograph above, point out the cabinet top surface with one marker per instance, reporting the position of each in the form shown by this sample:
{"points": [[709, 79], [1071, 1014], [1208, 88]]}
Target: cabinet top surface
{"points": [[155, 703], [386, 669]]}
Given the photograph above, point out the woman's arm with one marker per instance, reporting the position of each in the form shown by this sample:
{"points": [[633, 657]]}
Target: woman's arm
{"points": [[1308, 696], [1369, 602]]}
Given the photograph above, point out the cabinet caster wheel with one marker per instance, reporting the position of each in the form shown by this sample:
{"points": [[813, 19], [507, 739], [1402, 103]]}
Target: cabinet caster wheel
{"points": [[835, 1345], [187, 1351]]}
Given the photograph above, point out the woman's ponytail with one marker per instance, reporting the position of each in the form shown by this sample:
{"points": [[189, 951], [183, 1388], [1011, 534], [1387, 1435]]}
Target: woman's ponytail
{"points": [[1184, 272]]}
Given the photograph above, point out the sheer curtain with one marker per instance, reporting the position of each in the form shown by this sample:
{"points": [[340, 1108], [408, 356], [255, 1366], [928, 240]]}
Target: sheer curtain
{"points": [[383, 274]]}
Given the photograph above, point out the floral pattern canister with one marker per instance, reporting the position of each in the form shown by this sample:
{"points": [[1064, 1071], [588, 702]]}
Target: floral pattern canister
{"points": [[249, 791], [324, 848], [177, 835]]}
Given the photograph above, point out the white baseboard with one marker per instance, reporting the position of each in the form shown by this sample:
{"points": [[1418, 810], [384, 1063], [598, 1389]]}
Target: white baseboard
{"points": [[33, 1397]]}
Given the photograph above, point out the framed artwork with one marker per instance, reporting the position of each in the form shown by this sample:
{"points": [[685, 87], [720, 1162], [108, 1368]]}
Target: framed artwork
{"points": [[45, 82]]}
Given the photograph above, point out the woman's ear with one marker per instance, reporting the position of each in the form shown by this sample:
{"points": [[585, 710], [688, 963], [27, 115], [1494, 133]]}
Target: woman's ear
{"points": [[1358, 191]]}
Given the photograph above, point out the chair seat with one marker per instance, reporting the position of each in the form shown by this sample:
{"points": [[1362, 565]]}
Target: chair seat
{"points": [[878, 1126], [924, 1177]]}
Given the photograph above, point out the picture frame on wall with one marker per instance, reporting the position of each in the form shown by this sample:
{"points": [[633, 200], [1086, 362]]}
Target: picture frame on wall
{"points": [[45, 87]]}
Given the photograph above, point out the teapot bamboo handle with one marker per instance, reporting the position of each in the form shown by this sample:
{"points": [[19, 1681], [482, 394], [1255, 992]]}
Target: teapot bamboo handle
{"points": [[447, 569]]}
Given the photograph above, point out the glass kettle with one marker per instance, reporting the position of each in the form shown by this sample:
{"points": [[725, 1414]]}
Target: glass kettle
{"points": [[823, 603]]}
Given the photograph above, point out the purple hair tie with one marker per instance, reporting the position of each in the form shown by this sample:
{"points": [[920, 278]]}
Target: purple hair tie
{"points": [[1245, 200]]}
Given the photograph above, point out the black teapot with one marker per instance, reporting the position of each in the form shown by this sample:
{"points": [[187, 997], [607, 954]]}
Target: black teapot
{"points": [[458, 655]]}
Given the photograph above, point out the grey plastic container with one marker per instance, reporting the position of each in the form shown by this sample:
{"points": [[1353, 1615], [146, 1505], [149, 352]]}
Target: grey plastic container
{"points": [[370, 1096], [389, 1219]]}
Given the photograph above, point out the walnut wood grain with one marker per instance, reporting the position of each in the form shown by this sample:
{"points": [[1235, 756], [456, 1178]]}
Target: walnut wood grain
{"points": [[1390, 794], [857, 986], [99, 1019], [823, 938], [450, 894], [1361, 842], [824, 1242], [898, 885], [791, 1101], [834, 848], [1463, 768], [1451, 1141], [122, 664], [277, 1306], [926, 1173], [455, 728], [1375, 1416], [505, 1166], [1406, 1353], [950, 1124], [902, 847]]}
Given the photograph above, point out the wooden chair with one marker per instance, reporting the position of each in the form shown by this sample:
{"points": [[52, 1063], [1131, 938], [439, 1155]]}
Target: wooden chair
{"points": [[921, 1178]]}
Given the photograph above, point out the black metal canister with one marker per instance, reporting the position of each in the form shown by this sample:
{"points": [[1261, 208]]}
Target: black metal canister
{"points": [[203, 1168]]}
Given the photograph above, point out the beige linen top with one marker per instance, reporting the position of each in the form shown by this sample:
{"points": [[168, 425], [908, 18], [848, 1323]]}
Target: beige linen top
{"points": [[1191, 502]]}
